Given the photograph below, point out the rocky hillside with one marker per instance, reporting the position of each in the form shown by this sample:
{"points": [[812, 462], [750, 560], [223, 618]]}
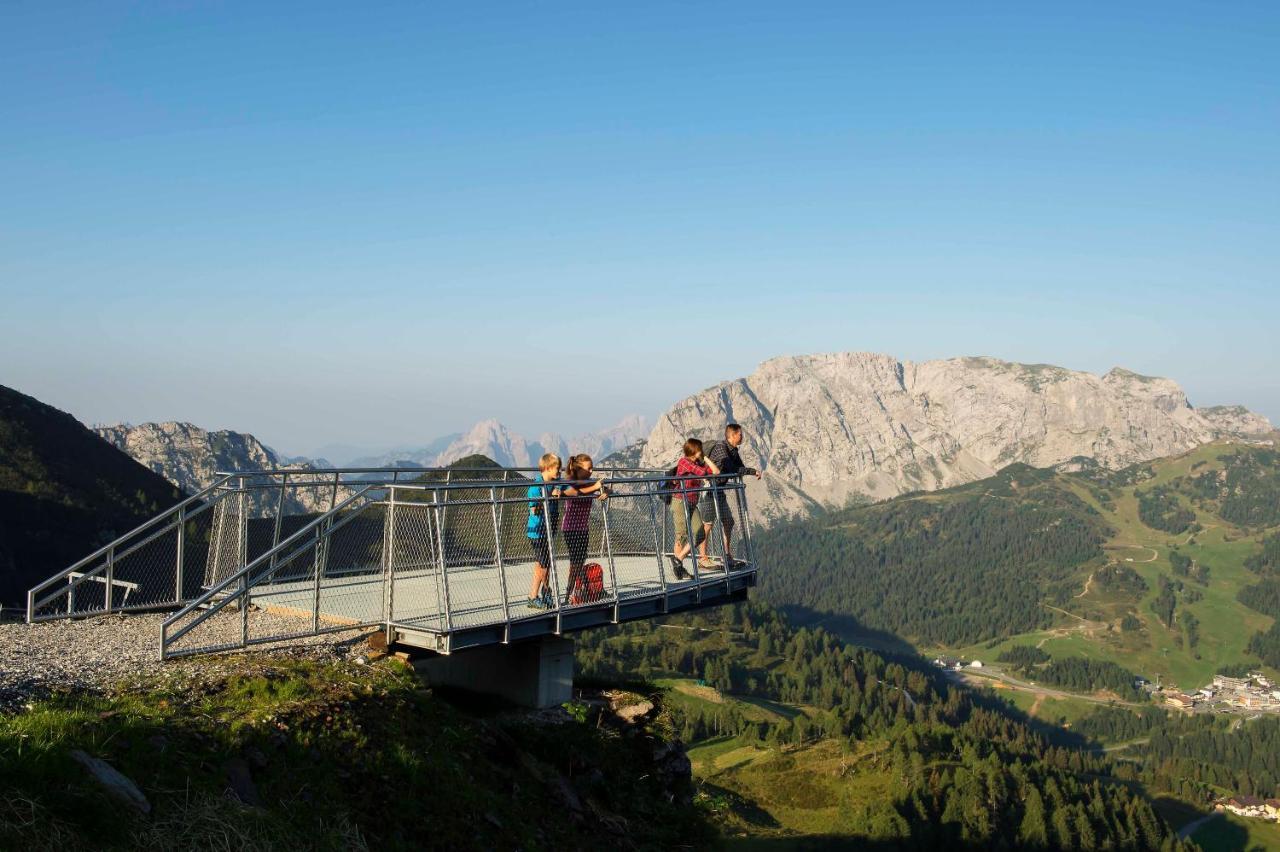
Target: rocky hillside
{"points": [[63, 493], [843, 428], [189, 456]]}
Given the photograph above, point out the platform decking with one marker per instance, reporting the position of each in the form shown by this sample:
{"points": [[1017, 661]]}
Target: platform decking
{"points": [[476, 614]]}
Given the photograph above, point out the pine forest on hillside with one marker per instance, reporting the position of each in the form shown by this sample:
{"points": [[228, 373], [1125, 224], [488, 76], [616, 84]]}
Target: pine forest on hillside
{"points": [[1165, 569]]}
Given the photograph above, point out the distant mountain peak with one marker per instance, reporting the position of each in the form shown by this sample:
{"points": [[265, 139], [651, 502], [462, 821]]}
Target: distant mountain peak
{"points": [[494, 439]]}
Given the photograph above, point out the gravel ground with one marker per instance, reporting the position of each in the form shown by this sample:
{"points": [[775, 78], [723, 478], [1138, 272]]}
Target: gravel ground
{"points": [[87, 654]]}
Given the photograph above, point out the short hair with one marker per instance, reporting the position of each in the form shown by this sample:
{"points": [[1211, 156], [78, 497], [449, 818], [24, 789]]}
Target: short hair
{"points": [[732, 429], [548, 461], [692, 447]]}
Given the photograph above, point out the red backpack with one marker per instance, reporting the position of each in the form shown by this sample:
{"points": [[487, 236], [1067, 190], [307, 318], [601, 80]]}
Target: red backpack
{"points": [[591, 588]]}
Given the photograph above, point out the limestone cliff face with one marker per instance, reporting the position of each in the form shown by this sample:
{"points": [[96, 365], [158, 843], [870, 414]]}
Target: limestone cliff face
{"points": [[831, 429], [189, 456], [1233, 420]]}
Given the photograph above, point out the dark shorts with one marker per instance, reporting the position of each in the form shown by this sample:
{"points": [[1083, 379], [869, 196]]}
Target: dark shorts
{"points": [[576, 542], [541, 551], [721, 512]]}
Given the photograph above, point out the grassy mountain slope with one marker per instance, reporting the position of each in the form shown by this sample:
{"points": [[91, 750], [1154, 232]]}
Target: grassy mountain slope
{"points": [[63, 492], [1142, 567], [799, 741]]}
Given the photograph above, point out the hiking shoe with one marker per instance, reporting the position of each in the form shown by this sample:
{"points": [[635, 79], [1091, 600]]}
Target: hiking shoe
{"points": [[538, 603], [710, 565], [546, 600], [677, 567]]}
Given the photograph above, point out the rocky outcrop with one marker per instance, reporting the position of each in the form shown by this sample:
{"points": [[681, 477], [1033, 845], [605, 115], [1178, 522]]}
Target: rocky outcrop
{"points": [[189, 457], [1235, 421], [840, 428]]}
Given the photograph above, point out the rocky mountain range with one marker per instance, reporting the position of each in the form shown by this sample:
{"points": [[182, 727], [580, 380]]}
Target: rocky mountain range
{"points": [[189, 457], [492, 439], [833, 429]]}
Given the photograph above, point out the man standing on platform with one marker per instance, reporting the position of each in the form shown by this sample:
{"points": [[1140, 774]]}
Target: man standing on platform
{"points": [[724, 454]]}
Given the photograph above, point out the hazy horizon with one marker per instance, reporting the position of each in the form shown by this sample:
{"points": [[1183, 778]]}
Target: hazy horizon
{"points": [[324, 224], [360, 444]]}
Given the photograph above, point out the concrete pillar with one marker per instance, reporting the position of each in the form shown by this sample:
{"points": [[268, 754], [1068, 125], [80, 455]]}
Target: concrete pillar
{"points": [[533, 673]]}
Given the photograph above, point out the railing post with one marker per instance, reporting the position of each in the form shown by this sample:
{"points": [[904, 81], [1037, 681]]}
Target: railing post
{"points": [[724, 534], [388, 559], [608, 544], [242, 537], [244, 610], [497, 553], [444, 563], [111, 577], [275, 536], [551, 557], [322, 565], [746, 524], [505, 479], [444, 516], [179, 571], [657, 548], [333, 500]]}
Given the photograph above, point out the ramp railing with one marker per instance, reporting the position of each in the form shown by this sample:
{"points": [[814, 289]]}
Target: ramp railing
{"points": [[146, 568], [464, 553], [168, 560], [300, 559]]}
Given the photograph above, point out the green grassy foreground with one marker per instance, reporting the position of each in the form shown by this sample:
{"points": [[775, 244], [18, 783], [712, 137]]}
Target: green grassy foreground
{"points": [[341, 756]]}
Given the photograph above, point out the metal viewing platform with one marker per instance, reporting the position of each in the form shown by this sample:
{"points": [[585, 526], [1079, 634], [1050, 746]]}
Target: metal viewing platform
{"points": [[439, 558]]}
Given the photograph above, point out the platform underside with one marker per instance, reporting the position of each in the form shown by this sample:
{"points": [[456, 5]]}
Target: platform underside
{"points": [[480, 611]]}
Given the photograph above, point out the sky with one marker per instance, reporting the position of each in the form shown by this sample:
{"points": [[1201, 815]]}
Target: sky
{"points": [[374, 224]]}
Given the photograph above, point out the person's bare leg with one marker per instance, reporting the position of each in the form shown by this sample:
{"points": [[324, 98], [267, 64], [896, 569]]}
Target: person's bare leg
{"points": [[539, 580], [702, 545]]}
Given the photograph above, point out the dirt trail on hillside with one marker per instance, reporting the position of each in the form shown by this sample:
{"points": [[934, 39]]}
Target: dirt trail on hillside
{"points": [[1155, 554], [1087, 584], [1192, 535]]}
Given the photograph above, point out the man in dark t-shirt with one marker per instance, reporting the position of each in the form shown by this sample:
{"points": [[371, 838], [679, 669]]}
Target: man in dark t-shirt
{"points": [[724, 454]]}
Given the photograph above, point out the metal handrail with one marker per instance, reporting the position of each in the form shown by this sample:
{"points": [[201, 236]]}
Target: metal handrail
{"points": [[215, 590], [404, 470], [107, 548]]}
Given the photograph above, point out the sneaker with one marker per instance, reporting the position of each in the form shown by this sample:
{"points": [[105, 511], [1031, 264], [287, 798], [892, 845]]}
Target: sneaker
{"points": [[539, 602], [709, 564], [547, 602], [677, 568]]}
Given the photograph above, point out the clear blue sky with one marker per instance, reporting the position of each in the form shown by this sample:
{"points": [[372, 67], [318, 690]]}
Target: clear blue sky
{"points": [[375, 223]]}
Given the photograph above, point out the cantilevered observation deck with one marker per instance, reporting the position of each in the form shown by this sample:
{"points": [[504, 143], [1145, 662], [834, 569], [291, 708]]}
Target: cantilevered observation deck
{"points": [[439, 559]]}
